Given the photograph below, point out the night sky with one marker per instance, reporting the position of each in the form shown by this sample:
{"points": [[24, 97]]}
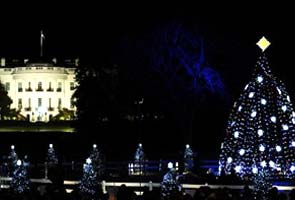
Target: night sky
{"points": [[93, 34]]}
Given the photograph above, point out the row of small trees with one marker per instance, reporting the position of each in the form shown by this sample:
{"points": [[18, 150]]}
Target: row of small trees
{"points": [[18, 169], [93, 170]]}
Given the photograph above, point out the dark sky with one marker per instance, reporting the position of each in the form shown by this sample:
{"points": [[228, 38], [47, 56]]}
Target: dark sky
{"points": [[93, 32]]}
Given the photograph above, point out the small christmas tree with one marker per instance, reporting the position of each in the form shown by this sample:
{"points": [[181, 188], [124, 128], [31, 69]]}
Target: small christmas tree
{"points": [[188, 159], [97, 161], [13, 155], [89, 183], [12, 159], [51, 156], [20, 182], [139, 160], [262, 184], [169, 185]]}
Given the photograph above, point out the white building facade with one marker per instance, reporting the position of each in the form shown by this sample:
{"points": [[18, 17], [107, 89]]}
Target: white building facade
{"points": [[39, 90]]}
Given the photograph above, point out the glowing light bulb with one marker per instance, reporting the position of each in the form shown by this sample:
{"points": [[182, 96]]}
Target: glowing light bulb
{"points": [[88, 161], [251, 95], [229, 159], [238, 169], [170, 165], [279, 91], [273, 119], [18, 162], [246, 87], [271, 164], [261, 148], [254, 170], [263, 164], [260, 132], [240, 108], [259, 79], [285, 127], [236, 134], [263, 101], [242, 152], [278, 148]]}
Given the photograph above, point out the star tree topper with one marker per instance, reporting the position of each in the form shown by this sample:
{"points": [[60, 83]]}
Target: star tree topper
{"points": [[263, 44]]}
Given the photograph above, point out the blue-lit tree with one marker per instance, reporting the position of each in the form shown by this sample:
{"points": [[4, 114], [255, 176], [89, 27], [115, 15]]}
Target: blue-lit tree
{"points": [[97, 160], [174, 54], [13, 155], [93, 171], [260, 138], [170, 184], [12, 159], [139, 160], [20, 182], [178, 55], [89, 183], [51, 156], [188, 159]]}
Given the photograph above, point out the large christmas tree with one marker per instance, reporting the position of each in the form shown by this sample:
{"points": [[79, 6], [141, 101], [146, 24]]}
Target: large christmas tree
{"points": [[260, 131]]}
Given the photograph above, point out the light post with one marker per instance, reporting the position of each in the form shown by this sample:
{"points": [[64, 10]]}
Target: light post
{"points": [[139, 116]]}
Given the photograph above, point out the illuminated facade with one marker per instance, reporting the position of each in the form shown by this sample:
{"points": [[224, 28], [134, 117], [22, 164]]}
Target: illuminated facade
{"points": [[39, 90]]}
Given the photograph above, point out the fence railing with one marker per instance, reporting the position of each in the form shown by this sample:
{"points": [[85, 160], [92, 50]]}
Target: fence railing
{"points": [[74, 170], [138, 185]]}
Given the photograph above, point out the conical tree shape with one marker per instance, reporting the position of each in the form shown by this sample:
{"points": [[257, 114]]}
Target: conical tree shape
{"points": [[89, 183], [260, 131], [139, 159], [20, 181]]}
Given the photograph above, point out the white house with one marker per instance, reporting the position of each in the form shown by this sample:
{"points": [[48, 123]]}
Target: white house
{"points": [[39, 89]]}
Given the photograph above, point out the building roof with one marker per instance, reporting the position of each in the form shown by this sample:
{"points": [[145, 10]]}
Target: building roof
{"points": [[18, 62]]}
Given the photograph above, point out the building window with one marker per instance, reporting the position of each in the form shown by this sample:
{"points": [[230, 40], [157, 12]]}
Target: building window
{"points": [[50, 88], [72, 103], [7, 86], [72, 86], [29, 105], [59, 87], [20, 104], [39, 102], [39, 86], [29, 89], [20, 87], [50, 108], [59, 103]]}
